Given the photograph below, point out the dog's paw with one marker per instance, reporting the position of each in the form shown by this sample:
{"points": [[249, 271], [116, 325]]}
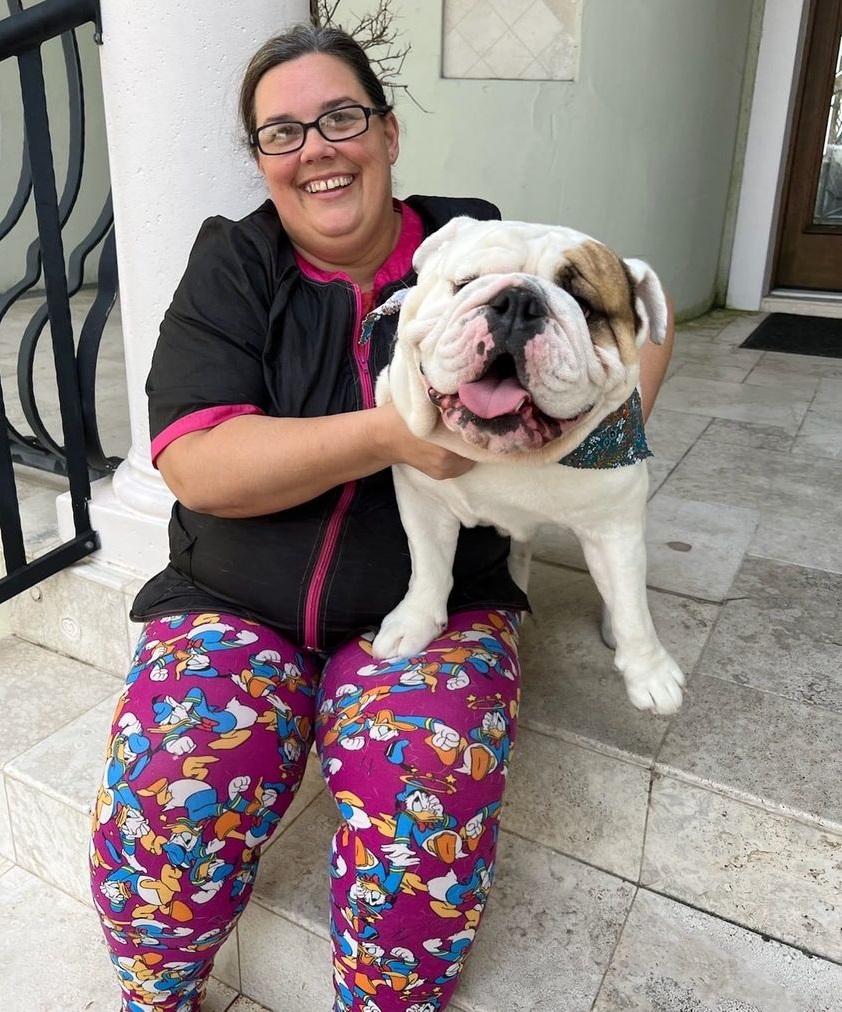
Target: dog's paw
{"points": [[656, 686], [405, 632]]}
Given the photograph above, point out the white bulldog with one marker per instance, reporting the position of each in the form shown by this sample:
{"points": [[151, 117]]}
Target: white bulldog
{"points": [[519, 348]]}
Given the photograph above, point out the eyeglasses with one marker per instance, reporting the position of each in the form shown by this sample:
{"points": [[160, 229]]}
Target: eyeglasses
{"points": [[337, 125]]}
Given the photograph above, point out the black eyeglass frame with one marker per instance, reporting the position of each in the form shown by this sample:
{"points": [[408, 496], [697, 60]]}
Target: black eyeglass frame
{"points": [[369, 111]]}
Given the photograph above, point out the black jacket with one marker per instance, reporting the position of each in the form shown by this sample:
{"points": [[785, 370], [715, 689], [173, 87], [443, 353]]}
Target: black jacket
{"points": [[247, 327]]}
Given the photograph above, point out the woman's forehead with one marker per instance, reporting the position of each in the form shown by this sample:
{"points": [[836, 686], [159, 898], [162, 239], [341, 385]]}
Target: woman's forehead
{"points": [[307, 85]]}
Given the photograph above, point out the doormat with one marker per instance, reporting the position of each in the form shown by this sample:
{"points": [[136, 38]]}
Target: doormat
{"points": [[799, 335]]}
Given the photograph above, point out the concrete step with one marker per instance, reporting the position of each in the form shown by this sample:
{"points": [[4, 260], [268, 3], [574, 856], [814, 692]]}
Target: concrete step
{"points": [[640, 866]]}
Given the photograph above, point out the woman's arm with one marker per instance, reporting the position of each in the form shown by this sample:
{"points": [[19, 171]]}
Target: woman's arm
{"points": [[253, 464], [654, 360]]}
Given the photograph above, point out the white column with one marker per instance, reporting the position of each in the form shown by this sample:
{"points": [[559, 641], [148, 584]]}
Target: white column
{"points": [[170, 78]]}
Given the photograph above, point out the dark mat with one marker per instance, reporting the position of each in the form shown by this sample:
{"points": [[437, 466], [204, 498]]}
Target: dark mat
{"points": [[799, 335]]}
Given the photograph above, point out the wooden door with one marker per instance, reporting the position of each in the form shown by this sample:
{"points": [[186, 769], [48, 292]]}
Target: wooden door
{"points": [[809, 250]]}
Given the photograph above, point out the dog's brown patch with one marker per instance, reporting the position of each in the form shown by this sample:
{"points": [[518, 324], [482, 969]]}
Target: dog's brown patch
{"points": [[595, 274]]}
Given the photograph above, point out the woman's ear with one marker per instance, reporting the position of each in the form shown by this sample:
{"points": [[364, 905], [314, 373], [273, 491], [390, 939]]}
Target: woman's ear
{"points": [[392, 129]]}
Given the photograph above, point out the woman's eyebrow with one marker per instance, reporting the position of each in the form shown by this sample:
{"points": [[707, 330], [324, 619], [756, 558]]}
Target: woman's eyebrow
{"points": [[331, 103]]}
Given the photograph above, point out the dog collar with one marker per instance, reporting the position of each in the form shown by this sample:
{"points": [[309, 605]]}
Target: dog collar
{"points": [[618, 441]]}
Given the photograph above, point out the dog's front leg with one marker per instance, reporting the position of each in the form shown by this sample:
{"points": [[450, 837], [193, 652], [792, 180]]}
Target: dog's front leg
{"points": [[432, 531], [617, 563]]}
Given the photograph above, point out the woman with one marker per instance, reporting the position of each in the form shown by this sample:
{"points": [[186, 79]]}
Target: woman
{"points": [[286, 551]]}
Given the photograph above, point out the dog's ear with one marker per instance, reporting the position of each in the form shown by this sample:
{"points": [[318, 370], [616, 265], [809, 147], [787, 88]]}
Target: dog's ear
{"points": [[438, 240], [650, 302]]}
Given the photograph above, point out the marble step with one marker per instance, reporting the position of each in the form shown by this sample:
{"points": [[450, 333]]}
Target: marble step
{"points": [[624, 836]]}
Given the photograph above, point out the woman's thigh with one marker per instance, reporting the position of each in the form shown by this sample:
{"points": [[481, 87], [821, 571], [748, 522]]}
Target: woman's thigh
{"points": [[415, 753], [207, 748]]}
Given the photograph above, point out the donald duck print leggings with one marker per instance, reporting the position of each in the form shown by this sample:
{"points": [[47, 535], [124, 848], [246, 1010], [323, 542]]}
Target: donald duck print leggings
{"points": [[208, 745]]}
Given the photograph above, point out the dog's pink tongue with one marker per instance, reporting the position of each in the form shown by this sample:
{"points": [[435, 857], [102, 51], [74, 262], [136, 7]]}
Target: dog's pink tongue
{"points": [[490, 398]]}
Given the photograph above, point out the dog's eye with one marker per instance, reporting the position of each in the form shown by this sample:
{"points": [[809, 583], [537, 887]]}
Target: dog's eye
{"points": [[585, 306], [459, 284]]}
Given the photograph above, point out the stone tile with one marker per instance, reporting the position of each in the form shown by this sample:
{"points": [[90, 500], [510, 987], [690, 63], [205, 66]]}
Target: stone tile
{"points": [[763, 767], [51, 839], [708, 354], [282, 965], [293, 878], [57, 614], [7, 846], [819, 438], [766, 871], [821, 432], [754, 478], [672, 433], [39, 523], [574, 800], [673, 958], [693, 550], [226, 965], [690, 548], [60, 936], [50, 790], [68, 764], [571, 689], [247, 1005], [803, 541], [808, 365], [768, 376], [549, 930], [775, 612], [738, 329], [56, 689], [312, 785], [722, 373], [749, 435], [738, 401]]}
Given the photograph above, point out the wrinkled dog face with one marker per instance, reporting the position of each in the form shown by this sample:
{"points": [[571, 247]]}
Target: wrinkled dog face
{"points": [[523, 334]]}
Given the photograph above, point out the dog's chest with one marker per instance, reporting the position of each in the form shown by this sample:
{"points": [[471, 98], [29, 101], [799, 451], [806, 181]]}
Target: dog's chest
{"points": [[518, 499]]}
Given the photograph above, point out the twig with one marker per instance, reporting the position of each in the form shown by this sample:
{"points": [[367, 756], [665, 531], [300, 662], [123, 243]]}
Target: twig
{"points": [[377, 33]]}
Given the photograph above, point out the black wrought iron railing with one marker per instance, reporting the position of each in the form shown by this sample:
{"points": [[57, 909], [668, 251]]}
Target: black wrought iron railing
{"points": [[76, 451]]}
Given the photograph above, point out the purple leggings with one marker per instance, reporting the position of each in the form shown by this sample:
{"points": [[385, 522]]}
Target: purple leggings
{"points": [[207, 749]]}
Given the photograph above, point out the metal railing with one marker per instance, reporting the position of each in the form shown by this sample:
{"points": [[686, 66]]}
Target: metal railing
{"points": [[78, 453]]}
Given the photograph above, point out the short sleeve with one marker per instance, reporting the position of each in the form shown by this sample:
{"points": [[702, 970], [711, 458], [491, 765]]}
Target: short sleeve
{"points": [[207, 365]]}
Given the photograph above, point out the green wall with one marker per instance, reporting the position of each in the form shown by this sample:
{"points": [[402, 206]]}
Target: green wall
{"points": [[638, 151]]}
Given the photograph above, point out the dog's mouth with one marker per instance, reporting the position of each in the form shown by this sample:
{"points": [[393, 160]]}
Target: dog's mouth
{"points": [[496, 411]]}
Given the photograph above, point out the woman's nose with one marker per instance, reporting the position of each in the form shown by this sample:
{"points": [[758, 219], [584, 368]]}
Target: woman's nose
{"points": [[315, 146]]}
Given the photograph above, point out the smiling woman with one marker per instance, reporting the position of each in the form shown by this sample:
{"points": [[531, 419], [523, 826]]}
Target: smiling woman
{"points": [[286, 552]]}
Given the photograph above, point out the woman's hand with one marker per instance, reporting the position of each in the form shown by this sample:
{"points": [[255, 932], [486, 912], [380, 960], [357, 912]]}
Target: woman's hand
{"points": [[402, 447]]}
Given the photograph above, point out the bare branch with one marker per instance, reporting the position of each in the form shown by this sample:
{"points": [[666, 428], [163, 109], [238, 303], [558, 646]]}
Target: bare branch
{"points": [[377, 33]]}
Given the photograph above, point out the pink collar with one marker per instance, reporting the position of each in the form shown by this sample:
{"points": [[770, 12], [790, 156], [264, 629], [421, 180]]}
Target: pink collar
{"points": [[399, 262]]}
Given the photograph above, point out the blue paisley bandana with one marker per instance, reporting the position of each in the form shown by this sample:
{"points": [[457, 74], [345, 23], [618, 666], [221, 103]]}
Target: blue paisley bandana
{"points": [[618, 440]]}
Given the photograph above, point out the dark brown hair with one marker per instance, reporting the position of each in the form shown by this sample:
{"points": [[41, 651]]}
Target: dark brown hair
{"points": [[302, 40]]}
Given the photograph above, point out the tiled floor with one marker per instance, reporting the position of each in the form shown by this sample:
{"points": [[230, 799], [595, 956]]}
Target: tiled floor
{"points": [[683, 865]]}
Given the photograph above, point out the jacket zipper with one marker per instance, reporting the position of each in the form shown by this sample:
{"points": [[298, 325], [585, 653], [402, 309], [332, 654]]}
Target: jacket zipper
{"points": [[315, 591]]}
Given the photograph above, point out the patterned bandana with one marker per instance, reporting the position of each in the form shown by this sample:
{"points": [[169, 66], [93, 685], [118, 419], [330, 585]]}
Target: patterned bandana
{"points": [[618, 440]]}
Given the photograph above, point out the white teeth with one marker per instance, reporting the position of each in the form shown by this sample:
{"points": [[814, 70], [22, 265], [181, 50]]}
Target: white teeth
{"points": [[320, 185]]}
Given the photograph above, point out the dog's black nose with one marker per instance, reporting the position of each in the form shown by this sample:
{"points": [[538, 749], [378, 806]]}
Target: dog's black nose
{"points": [[516, 311]]}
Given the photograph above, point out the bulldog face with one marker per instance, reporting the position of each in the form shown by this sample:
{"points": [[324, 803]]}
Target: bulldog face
{"points": [[523, 337]]}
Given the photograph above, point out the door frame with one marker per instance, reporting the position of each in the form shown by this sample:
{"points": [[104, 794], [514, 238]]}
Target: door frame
{"points": [[767, 144]]}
